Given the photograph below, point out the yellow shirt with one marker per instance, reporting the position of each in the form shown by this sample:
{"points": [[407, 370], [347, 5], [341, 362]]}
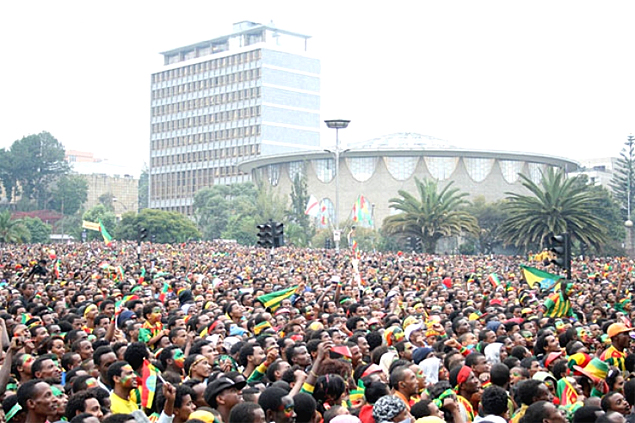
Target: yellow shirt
{"points": [[119, 405]]}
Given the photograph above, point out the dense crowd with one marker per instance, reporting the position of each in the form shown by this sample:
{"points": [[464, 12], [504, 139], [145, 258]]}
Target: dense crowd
{"points": [[216, 332]]}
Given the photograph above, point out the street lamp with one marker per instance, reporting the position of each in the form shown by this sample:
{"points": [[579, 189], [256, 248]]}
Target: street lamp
{"points": [[337, 124], [629, 222]]}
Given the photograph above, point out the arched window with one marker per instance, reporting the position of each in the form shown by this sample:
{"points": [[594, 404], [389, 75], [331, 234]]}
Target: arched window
{"points": [[441, 168], [362, 168], [535, 172], [296, 168], [510, 169], [401, 168], [324, 169], [273, 171]]}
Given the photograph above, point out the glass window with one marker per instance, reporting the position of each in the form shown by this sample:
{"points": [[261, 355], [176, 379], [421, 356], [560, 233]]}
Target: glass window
{"points": [[362, 168], [296, 168], [478, 169], [510, 169], [401, 168], [273, 171], [535, 172], [441, 168], [324, 169]]}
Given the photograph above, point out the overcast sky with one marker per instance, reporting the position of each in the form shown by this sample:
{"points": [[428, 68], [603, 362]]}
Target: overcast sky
{"points": [[553, 77]]}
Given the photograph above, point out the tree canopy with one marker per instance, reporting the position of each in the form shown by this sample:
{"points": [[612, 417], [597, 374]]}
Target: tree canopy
{"points": [[166, 227], [430, 215]]}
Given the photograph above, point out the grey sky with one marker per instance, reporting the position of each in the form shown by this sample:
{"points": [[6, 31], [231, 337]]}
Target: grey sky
{"points": [[549, 77]]}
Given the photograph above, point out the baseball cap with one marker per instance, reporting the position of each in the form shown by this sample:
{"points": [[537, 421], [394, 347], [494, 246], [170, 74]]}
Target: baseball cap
{"points": [[219, 385], [617, 328]]}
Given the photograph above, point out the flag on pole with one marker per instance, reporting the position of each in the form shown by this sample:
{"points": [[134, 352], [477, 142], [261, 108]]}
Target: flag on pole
{"points": [[273, 299], [312, 207], [494, 280], [104, 233], [546, 280], [148, 383], [164, 292]]}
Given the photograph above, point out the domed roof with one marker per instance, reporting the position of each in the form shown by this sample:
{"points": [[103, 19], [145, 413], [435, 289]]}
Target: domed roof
{"points": [[403, 141]]}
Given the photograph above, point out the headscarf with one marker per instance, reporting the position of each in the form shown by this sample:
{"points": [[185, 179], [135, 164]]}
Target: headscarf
{"points": [[492, 352], [493, 325], [430, 367], [387, 408], [386, 360]]}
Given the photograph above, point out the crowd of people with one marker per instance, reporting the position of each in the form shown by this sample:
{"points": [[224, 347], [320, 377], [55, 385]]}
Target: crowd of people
{"points": [[216, 332]]}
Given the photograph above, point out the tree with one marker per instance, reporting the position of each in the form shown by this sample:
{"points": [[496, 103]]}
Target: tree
{"points": [[69, 194], [489, 216], [97, 213], [12, 230], [623, 182], [107, 199], [431, 216], [35, 162], [167, 227], [295, 214], [559, 204], [144, 183], [39, 231]]}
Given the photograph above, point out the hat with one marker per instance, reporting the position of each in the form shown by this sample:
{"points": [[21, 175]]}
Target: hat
{"points": [[596, 370], [617, 328], [387, 408], [413, 328], [551, 357], [578, 359], [237, 331], [124, 316], [218, 386], [202, 415], [421, 354], [229, 342]]}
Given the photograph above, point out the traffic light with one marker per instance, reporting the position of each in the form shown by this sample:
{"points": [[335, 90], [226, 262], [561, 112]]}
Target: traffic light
{"points": [[327, 243], [143, 234], [278, 234], [561, 247], [265, 235]]}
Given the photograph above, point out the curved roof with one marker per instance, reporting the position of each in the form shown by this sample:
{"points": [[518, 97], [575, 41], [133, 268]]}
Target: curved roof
{"points": [[402, 141], [407, 144]]}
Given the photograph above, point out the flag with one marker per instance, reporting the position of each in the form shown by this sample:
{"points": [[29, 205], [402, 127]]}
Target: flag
{"points": [[148, 383], [312, 207], [494, 280], [545, 279], [323, 214], [119, 304], [273, 299], [142, 277], [566, 392], [105, 234], [164, 292], [58, 269], [91, 226], [119, 273], [362, 214]]}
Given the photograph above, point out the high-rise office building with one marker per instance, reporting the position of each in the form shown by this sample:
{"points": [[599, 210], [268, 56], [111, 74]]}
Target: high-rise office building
{"points": [[254, 92]]}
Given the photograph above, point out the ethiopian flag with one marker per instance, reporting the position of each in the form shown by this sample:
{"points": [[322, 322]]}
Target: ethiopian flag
{"points": [[494, 280], [273, 299], [104, 233], [545, 279], [148, 383]]}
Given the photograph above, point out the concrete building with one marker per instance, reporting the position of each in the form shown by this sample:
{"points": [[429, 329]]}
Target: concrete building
{"points": [[252, 93], [379, 168]]}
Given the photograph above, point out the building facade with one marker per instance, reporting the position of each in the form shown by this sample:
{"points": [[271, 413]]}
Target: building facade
{"points": [[251, 93], [378, 169]]}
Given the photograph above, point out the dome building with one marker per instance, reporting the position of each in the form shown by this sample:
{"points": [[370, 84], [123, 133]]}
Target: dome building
{"points": [[377, 169]]}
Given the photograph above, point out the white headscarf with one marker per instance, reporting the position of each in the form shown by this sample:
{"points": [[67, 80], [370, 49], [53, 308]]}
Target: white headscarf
{"points": [[493, 353], [430, 367]]}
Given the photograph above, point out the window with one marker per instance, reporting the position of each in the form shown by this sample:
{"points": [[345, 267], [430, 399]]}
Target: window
{"points": [[478, 169], [362, 168], [324, 169], [441, 167], [535, 172], [296, 168], [273, 172], [401, 168]]}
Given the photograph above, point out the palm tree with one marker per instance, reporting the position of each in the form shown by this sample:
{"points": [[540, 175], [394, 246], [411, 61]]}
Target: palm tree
{"points": [[431, 216], [559, 204], [11, 230]]}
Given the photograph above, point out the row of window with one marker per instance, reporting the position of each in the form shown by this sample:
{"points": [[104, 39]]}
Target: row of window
{"points": [[213, 100], [402, 168], [203, 156], [220, 63], [184, 184], [214, 118], [206, 137], [206, 84]]}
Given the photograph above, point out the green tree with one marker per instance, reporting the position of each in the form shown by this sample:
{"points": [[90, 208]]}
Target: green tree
{"points": [[167, 227], [97, 213], [36, 161], [69, 194], [39, 231], [12, 230], [558, 204], [490, 217], [144, 184], [107, 199], [299, 199], [241, 229], [623, 182], [430, 216]]}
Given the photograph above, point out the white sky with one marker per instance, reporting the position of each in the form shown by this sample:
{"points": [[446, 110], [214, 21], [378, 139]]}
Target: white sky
{"points": [[553, 77]]}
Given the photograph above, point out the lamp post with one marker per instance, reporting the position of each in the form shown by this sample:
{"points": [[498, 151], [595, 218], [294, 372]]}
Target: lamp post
{"points": [[629, 222], [337, 124]]}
